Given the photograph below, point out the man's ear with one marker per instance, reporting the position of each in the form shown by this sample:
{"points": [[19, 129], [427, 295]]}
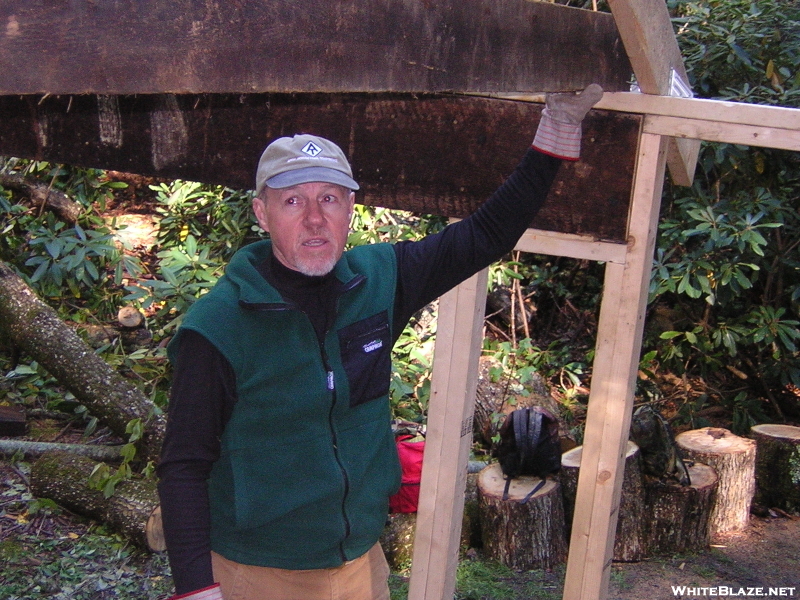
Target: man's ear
{"points": [[260, 211]]}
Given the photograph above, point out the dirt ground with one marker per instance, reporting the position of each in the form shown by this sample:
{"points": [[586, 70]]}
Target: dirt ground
{"points": [[766, 555]]}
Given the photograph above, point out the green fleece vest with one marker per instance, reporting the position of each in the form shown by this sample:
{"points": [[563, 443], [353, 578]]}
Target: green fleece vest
{"points": [[308, 459]]}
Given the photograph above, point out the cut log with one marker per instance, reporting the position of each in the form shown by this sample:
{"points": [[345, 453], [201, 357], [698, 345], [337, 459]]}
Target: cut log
{"points": [[678, 516], [734, 460], [129, 316], [630, 543], [154, 531], [35, 449], [495, 400], [98, 336], [777, 466], [397, 540], [12, 421], [522, 536], [63, 478], [44, 197], [35, 328]]}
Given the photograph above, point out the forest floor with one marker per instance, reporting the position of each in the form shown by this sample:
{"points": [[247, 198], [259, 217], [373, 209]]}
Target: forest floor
{"points": [[46, 552], [766, 557]]}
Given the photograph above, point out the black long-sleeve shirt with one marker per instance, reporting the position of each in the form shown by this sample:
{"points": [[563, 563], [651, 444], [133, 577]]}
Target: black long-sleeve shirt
{"points": [[204, 387]]}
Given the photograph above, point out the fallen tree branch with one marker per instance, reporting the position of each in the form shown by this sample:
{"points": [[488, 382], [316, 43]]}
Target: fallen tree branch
{"points": [[36, 449], [43, 196], [131, 510], [35, 328]]}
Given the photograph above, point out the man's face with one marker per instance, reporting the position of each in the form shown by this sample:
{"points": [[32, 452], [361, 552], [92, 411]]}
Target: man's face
{"points": [[308, 224]]}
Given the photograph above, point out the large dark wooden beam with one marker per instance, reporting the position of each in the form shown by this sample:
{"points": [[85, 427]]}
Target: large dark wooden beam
{"points": [[248, 46], [433, 154]]}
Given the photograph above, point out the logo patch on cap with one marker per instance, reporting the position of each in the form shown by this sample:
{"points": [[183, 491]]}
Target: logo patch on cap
{"points": [[311, 149]]}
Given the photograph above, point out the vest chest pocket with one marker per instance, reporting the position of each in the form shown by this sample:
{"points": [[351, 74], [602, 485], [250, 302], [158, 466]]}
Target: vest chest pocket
{"points": [[366, 356]]}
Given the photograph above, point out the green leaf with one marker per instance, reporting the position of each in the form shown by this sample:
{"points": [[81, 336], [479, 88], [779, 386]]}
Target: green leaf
{"points": [[128, 452], [669, 335]]}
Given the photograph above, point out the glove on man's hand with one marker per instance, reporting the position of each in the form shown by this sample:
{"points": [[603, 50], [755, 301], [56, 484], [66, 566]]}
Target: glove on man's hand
{"points": [[212, 592], [559, 132]]}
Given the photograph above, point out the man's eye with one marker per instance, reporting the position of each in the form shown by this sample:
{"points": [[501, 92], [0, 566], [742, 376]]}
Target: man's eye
{"points": [[329, 198], [293, 200]]}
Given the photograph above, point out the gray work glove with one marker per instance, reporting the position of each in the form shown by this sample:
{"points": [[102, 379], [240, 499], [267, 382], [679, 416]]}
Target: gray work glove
{"points": [[559, 132]]}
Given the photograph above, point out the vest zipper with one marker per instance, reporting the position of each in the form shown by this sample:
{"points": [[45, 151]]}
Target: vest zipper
{"points": [[332, 387]]}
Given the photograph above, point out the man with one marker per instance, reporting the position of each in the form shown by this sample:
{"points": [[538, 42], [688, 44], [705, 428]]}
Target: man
{"points": [[279, 458]]}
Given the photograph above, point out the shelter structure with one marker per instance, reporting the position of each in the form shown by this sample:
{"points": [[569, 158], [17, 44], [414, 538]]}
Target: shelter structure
{"points": [[432, 103]]}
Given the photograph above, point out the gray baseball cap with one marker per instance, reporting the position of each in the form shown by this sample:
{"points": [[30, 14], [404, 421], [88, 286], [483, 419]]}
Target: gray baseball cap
{"points": [[290, 161]]}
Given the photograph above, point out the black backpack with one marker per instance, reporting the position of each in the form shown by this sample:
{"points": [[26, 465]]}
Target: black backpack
{"points": [[529, 445]]}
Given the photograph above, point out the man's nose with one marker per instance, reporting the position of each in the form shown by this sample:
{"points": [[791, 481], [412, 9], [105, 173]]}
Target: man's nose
{"points": [[314, 213]]}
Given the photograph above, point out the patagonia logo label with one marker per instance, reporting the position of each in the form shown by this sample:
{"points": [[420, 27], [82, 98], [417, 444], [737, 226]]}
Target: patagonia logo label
{"points": [[373, 345]]}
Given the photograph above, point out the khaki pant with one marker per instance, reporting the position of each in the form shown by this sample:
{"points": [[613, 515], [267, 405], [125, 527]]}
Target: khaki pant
{"points": [[365, 578]]}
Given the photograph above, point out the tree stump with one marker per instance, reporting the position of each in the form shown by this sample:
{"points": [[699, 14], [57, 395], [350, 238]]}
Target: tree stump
{"points": [[630, 542], [777, 466], [521, 536], [734, 460], [678, 516]]}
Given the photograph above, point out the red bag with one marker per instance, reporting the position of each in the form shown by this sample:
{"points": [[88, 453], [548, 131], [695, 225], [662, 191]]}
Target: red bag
{"points": [[410, 453]]}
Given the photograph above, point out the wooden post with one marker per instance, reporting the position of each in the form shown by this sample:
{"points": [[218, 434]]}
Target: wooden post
{"points": [[646, 31], [619, 339], [454, 380], [630, 542]]}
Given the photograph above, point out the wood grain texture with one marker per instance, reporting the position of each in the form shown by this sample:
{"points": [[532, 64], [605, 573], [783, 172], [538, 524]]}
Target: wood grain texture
{"points": [[426, 153], [734, 460], [777, 465], [678, 517], [244, 46], [646, 30], [521, 535], [630, 543]]}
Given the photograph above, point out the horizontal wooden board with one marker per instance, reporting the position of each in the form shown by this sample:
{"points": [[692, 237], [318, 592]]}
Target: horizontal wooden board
{"points": [[431, 154], [248, 46]]}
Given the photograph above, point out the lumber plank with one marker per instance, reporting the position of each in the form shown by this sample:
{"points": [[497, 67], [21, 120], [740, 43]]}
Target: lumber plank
{"points": [[454, 381], [646, 31], [435, 154], [537, 241], [194, 46], [619, 340], [708, 120], [715, 111], [731, 133]]}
